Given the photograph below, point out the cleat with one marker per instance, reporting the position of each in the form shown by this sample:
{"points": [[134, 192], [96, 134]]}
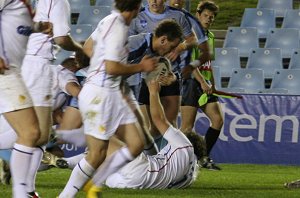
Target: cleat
{"points": [[53, 160], [209, 164], [4, 172], [293, 184], [92, 191], [33, 195]]}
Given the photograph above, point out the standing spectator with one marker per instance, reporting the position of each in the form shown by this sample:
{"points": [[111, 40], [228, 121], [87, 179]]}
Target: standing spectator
{"points": [[193, 88], [104, 110]]}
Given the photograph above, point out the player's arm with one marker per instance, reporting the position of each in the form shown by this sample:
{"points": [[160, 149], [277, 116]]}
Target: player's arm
{"points": [[67, 43], [156, 109], [88, 47], [116, 68], [204, 85], [73, 88], [3, 66]]}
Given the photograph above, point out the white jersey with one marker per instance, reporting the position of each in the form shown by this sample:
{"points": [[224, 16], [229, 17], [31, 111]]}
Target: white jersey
{"points": [[61, 77], [110, 43], [175, 166], [58, 13], [15, 28]]}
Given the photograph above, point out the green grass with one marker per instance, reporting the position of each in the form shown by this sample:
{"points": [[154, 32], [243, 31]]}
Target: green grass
{"points": [[238, 181]]}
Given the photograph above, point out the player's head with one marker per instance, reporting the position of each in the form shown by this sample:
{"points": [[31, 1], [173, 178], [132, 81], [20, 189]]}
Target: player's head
{"points": [[70, 64], [156, 6], [177, 4], [206, 13], [167, 36], [128, 5], [198, 143]]}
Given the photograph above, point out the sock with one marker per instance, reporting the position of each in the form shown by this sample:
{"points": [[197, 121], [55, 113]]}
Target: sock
{"points": [[73, 161], [5, 155], [211, 137], [74, 136], [8, 139], [111, 165], [34, 166], [21, 156], [82, 172]]}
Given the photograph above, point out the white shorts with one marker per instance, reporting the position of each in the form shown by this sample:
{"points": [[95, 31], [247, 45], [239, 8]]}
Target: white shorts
{"points": [[38, 76], [13, 92], [132, 175], [103, 110]]}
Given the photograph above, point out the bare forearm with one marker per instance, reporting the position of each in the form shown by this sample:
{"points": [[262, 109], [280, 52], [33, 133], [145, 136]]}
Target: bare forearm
{"points": [[67, 43]]}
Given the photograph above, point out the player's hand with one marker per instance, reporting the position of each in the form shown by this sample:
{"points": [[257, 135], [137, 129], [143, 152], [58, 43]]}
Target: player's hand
{"points": [[3, 66], [148, 63], [44, 27], [166, 80], [186, 71], [153, 86], [206, 88], [172, 56]]}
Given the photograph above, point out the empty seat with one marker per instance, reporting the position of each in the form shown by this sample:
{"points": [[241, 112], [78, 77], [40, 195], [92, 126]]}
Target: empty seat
{"points": [[77, 4], [286, 39], [287, 79], [226, 59], [104, 2], [93, 14], [61, 55], [217, 77], [250, 80], [291, 19], [267, 59], [295, 59], [242, 38], [279, 6], [81, 32], [262, 19]]}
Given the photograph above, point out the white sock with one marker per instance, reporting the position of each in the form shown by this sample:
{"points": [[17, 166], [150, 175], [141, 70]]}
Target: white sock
{"points": [[34, 166], [19, 165], [8, 139], [111, 165], [73, 161], [80, 175], [74, 136]]}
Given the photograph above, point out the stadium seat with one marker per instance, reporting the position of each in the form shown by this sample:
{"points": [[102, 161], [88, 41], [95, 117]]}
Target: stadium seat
{"points": [[62, 55], [262, 19], [279, 6], [104, 3], [291, 19], [287, 79], [295, 60], [286, 39], [217, 77], [226, 59], [250, 80], [81, 32], [242, 38], [77, 4], [267, 59], [93, 14]]}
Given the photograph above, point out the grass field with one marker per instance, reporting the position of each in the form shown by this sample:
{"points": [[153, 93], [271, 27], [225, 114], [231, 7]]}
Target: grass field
{"points": [[234, 181]]}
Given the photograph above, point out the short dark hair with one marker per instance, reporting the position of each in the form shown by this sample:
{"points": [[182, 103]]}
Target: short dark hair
{"points": [[127, 5], [198, 143], [169, 28], [209, 5]]}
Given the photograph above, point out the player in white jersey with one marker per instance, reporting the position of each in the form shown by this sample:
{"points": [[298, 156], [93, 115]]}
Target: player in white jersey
{"points": [[15, 102], [36, 67], [175, 166], [103, 107]]}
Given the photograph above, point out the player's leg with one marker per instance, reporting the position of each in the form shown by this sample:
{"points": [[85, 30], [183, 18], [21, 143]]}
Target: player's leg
{"points": [[188, 116]]}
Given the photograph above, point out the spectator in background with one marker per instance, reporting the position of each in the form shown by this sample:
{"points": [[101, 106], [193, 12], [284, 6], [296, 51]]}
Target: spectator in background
{"points": [[193, 88]]}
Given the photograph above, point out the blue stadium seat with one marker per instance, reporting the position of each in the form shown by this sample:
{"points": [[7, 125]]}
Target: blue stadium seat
{"points": [[262, 19], [286, 39], [93, 14], [242, 38], [291, 19], [267, 59], [279, 6], [77, 4], [287, 79], [81, 32], [217, 77], [295, 60], [227, 59], [250, 80], [104, 3], [61, 56]]}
